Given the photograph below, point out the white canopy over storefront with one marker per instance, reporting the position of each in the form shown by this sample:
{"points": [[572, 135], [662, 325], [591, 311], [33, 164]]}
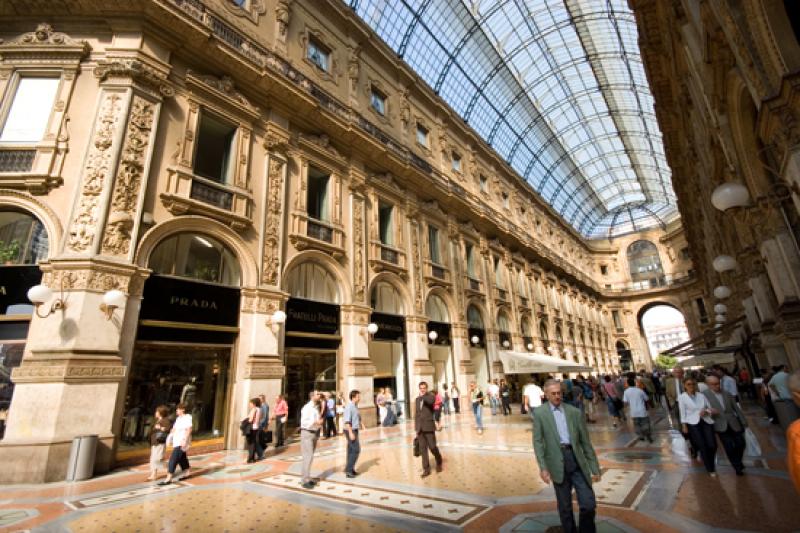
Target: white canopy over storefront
{"points": [[534, 363], [707, 360]]}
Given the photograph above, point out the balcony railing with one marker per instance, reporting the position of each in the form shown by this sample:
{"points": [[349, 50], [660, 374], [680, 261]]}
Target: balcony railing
{"points": [[660, 282], [188, 193], [500, 294], [310, 233], [316, 230], [16, 160], [389, 255], [215, 196], [438, 272]]}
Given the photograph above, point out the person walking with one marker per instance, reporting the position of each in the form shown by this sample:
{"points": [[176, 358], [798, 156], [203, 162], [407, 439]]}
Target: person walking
{"points": [[253, 424], [352, 423], [636, 400], [532, 397], [505, 397], [793, 434], [437, 409], [476, 401], [729, 422], [785, 408], [613, 401], [455, 394], [673, 388], [493, 390], [697, 420], [330, 415], [310, 424], [340, 405], [566, 458], [181, 438], [445, 399], [425, 429], [280, 415], [158, 439], [263, 425], [380, 402]]}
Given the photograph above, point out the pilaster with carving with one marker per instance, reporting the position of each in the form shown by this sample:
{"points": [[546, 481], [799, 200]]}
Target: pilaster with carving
{"points": [[273, 229]]}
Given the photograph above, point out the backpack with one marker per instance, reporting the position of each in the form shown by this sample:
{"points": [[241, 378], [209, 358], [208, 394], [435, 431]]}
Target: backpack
{"points": [[588, 393]]}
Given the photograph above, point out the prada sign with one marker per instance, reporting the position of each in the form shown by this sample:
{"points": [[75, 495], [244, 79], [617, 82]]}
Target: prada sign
{"points": [[171, 299], [14, 284], [307, 316], [390, 327]]}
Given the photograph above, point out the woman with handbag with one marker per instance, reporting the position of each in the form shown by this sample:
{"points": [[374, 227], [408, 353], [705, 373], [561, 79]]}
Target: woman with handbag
{"points": [[280, 414], [251, 429], [613, 401], [158, 440], [181, 438], [476, 399], [697, 419]]}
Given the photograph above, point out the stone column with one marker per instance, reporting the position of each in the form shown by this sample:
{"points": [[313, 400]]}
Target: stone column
{"points": [[461, 355], [419, 364], [357, 368]]}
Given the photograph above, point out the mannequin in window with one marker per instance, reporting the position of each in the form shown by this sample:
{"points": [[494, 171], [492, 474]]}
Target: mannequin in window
{"points": [[189, 393]]}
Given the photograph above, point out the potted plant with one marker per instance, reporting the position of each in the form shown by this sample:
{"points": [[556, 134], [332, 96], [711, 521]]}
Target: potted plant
{"points": [[9, 252]]}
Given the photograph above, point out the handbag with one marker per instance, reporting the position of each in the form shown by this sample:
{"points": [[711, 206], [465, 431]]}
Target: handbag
{"points": [[268, 436], [618, 404], [753, 449], [246, 426], [416, 447], [161, 437]]}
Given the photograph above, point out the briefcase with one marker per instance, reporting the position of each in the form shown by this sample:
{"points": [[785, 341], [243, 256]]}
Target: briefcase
{"points": [[416, 447]]}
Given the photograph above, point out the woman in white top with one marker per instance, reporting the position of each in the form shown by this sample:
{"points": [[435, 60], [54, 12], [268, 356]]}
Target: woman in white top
{"points": [[181, 438], [697, 420], [253, 441]]}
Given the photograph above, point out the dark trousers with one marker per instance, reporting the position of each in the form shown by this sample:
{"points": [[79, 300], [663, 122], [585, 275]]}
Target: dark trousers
{"points": [[177, 457], [506, 405], [457, 405], [330, 426], [254, 446], [575, 478], [734, 444], [427, 441], [353, 451], [704, 441], [278, 432]]}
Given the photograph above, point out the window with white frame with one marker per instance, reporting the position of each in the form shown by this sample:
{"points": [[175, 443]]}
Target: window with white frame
{"points": [[29, 113], [470, 253], [422, 135], [386, 223], [433, 244], [498, 273], [215, 147], [483, 183], [378, 101], [317, 194], [455, 162], [505, 200], [318, 54]]}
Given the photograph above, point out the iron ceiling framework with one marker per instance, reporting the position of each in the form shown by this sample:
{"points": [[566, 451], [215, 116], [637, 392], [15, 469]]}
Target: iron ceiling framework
{"points": [[556, 87]]}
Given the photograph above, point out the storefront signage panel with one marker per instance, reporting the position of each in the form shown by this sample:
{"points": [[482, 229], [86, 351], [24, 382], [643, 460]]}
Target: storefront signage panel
{"points": [[308, 316], [176, 300], [14, 284], [390, 327]]}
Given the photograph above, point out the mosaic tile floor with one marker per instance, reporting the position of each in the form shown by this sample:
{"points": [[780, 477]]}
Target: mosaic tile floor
{"points": [[490, 483]]}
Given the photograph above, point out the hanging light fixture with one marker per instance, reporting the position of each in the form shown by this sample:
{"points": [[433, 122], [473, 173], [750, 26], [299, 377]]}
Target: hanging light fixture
{"points": [[724, 263], [730, 194], [506, 344], [720, 309], [722, 292], [432, 335], [475, 339], [719, 319]]}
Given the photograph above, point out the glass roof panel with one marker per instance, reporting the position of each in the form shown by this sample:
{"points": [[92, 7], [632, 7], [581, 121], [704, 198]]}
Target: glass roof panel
{"points": [[556, 87]]}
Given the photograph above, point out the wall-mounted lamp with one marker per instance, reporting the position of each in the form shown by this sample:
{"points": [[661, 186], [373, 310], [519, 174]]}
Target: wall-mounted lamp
{"points": [[112, 300], [730, 194], [41, 294], [432, 335], [371, 329], [475, 340], [722, 292], [506, 344], [530, 346], [276, 319], [724, 263]]}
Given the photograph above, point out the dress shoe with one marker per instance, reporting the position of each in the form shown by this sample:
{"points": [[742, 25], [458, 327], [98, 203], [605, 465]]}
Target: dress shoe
{"points": [[308, 485], [426, 473], [439, 467], [350, 474]]}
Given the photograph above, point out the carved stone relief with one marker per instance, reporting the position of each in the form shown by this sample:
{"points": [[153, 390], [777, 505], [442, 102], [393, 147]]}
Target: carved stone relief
{"points": [[273, 221], [359, 283], [128, 183]]}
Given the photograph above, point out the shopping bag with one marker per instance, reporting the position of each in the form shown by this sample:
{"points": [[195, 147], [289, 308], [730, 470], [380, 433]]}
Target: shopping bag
{"points": [[753, 449]]}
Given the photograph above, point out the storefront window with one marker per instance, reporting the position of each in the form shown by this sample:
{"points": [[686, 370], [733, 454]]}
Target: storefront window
{"points": [[23, 239], [167, 375], [200, 257]]}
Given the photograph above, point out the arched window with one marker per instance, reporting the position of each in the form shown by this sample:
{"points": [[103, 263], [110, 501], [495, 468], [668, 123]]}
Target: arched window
{"points": [[543, 332], [436, 309], [645, 264], [474, 317], [386, 299], [525, 327], [196, 256], [503, 322], [312, 281], [23, 239], [559, 335]]}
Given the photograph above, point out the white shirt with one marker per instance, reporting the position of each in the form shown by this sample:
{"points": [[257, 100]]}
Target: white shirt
{"points": [[309, 417], [181, 435], [690, 408], [701, 387], [454, 393], [635, 398], [534, 394], [729, 386], [494, 390]]}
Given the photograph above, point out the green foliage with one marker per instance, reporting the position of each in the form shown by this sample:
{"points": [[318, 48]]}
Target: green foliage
{"points": [[666, 361], [9, 252]]}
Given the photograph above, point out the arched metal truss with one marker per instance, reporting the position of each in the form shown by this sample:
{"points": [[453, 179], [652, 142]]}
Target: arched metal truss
{"points": [[556, 87]]}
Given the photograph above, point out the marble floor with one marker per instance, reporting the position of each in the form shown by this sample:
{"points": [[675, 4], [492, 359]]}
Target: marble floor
{"points": [[490, 482]]}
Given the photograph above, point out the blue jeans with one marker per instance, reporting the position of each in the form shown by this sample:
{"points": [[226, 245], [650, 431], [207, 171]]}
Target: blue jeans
{"points": [[574, 477], [177, 457], [493, 403], [477, 410], [353, 451]]}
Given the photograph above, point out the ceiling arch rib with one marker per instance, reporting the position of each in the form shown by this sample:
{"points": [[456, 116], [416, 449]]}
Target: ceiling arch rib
{"points": [[556, 87]]}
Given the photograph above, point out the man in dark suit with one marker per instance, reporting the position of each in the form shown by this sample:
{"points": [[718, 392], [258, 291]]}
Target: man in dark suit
{"points": [[729, 422], [425, 428]]}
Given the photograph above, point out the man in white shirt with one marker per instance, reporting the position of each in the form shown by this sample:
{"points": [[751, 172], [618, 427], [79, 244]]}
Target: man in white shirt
{"points": [[493, 390], [532, 397], [636, 399], [310, 423], [728, 383]]}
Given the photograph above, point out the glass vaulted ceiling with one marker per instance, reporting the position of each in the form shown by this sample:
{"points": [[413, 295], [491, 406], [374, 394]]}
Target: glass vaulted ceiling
{"points": [[556, 87]]}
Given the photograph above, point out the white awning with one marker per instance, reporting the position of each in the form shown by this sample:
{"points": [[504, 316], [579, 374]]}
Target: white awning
{"points": [[534, 363], [707, 360]]}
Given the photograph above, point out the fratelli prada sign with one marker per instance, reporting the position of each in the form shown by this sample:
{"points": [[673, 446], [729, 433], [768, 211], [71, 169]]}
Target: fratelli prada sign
{"points": [[178, 300], [311, 317]]}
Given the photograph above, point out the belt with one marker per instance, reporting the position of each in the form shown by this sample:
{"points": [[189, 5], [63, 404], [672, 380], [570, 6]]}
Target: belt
{"points": [[566, 446], [310, 430]]}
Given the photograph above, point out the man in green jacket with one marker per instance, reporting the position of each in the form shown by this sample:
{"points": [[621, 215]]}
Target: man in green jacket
{"points": [[565, 456]]}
